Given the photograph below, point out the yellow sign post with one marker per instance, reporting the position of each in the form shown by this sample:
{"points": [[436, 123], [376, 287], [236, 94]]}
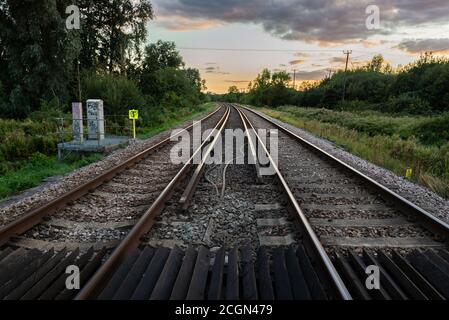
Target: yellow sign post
{"points": [[134, 115], [409, 173]]}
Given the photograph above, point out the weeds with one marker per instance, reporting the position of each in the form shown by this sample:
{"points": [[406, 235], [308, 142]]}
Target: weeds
{"points": [[386, 141], [38, 168]]}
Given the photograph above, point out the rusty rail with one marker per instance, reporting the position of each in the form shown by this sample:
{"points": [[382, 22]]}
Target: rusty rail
{"points": [[144, 225], [323, 261], [36, 216], [429, 221]]}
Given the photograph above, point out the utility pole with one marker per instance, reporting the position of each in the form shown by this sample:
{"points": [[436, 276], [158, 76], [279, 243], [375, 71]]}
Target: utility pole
{"points": [[294, 79], [347, 53], [79, 81]]}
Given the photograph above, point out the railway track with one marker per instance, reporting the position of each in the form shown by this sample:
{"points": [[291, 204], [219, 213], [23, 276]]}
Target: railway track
{"points": [[137, 271], [362, 223], [105, 204], [81, 226], [226, 232]]}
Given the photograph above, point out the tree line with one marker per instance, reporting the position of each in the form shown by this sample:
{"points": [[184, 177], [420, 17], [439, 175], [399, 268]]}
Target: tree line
{"points": [[46, 66], [418, 88]]}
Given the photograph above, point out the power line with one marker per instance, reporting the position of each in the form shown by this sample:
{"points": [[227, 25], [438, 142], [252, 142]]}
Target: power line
{"points": [[257, 50], [286, 50]]}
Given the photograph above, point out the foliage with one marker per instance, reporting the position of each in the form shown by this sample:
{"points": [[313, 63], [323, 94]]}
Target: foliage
{"points": [[118, 93], [37, 168], [270, 89], [406, 103], [21, 139], [417, 89], [386, 141], [2, 100], [166, 84], [426, 79], [161, 55], [45, 67], [426, 130], [113, 32], [37, 53]]}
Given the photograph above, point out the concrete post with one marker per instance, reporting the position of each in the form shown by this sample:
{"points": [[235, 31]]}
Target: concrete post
{"points": [[95, 119], [77, 115]]}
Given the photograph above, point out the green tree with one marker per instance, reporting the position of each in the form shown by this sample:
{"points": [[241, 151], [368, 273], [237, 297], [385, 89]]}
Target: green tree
{"points": [[281, 79], [37, 53], [233, 94], [161, 55], [164, 79], [271, 89], [118, 93], [378, 64], [113, 32]]}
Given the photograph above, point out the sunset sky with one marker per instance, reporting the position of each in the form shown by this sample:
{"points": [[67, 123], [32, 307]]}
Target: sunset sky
{"points": [[231, 41]]}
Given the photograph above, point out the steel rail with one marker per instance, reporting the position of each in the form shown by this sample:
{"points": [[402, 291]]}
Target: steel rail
{"points": [[144, 225], [432, 223], [36, 216], [324, 261], [187, 196]]}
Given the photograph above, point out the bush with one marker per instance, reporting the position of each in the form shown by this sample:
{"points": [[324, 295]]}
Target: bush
{"points": [[406, 103], [418, 89], [363, 134], [49, 111], [433, 131], [2, 101], [118, 93], [428, 79], [22, 139]]}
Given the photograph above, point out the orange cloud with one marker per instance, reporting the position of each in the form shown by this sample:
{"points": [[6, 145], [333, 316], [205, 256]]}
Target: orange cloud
{"points": [[178, 23]]}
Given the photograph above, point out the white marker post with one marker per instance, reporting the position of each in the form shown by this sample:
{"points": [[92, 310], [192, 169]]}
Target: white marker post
{"points": [[95, 119], [77, 114]]}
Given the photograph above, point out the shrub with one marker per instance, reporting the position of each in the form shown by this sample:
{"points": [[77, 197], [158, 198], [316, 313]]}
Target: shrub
{"points": [[397, 151], [22, 139], [406, 103], [118, 93], [433, 131]]}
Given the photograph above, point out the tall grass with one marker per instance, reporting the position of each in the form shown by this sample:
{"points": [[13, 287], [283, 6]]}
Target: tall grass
{"points": [[20, 140], [168, 118], [36, 169], [28, 149], [393, 147]]}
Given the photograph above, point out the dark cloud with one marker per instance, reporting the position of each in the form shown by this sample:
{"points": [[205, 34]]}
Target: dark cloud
{"points": [[302, 55], [295, 62], [312, 75], [237, 81], [325, 21], [421, 45], [214, 70], [337, 60]]}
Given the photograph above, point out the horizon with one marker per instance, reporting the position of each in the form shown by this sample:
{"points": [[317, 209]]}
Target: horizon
{"points": [[230, 42]]}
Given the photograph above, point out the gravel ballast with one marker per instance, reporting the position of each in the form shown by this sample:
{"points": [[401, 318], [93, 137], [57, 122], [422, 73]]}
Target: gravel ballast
{"points": [[417, 194], [11, 209]]}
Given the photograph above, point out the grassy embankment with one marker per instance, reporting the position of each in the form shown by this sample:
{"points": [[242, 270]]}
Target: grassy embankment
{"points": [[175, 118], [28, 152], [393, 142]]}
